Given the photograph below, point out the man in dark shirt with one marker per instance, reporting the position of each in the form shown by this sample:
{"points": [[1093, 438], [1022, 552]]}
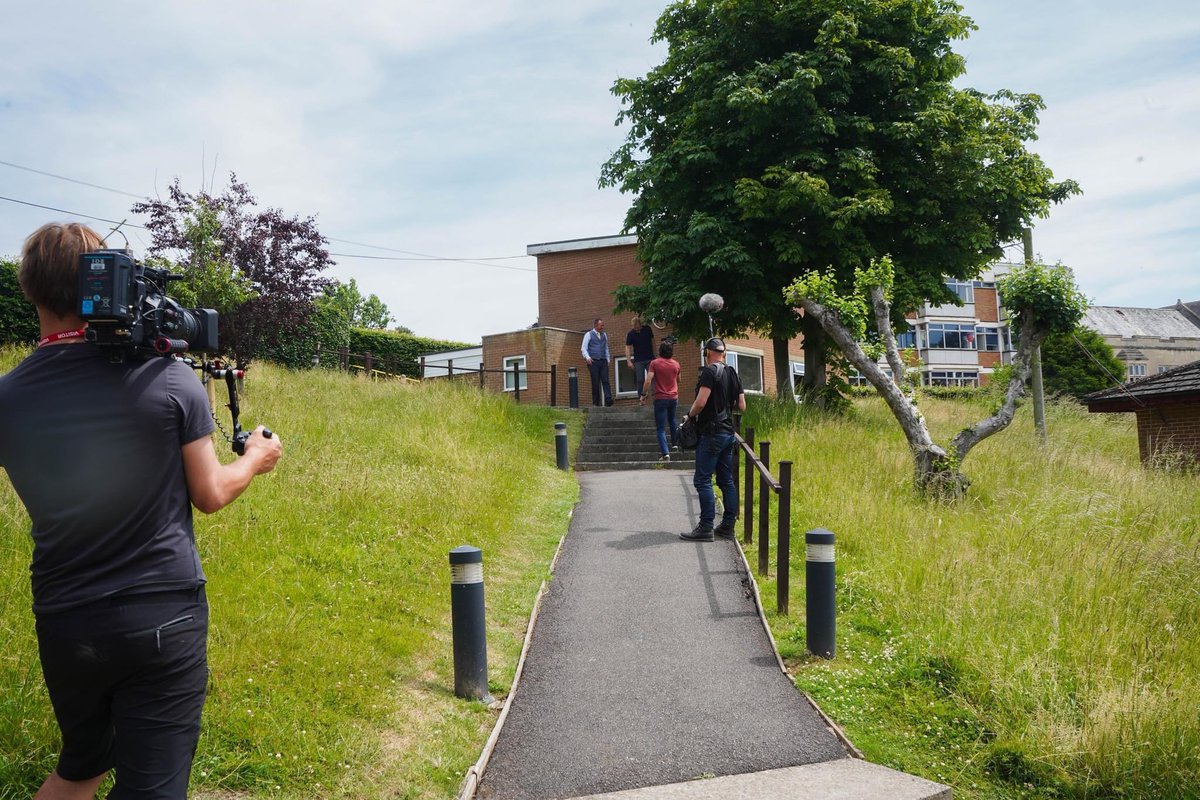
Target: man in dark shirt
{"points": [[108, 459], [718, 394], [639, 349]]}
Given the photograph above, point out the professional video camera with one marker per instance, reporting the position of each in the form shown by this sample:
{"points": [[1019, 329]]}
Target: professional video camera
{"points": [[128, 312], [127, 309]]}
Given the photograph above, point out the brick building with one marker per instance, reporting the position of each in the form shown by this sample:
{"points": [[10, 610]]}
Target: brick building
{"points": [[576, 281], [1168, 413]]}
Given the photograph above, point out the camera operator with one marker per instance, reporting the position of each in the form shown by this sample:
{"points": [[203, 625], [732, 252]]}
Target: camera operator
{"points": [[108, 459]]}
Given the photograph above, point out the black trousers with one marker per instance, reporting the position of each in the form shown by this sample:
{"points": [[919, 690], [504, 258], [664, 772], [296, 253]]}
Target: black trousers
{"points": [[127, 678], [599, 372]]}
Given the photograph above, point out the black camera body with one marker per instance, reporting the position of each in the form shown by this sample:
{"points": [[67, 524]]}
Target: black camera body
{"points": [[127, 309]]}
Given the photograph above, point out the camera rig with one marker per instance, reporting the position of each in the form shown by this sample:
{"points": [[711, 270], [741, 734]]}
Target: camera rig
{"points": [[218, 371]]}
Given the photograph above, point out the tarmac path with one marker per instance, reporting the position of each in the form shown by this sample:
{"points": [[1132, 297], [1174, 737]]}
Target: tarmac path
{"points": [[648, 663]]}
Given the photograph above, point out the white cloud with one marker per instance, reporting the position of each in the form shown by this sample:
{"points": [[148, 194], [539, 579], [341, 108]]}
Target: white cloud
{"points": [[471, 129]]}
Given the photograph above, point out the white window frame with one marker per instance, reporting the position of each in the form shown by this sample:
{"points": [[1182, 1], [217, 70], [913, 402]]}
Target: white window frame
{"points": [[953, 377], [967, 288], [618, 390], [1133, 371], [734, 357], [523, 371]]}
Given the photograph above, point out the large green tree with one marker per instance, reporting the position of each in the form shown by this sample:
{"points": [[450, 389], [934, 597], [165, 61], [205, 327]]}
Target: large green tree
{"points": [[1078, 362], [785, 136]]}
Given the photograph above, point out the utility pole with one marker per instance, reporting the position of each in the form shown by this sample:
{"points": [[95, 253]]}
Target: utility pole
{"points": [[1039, 398]]}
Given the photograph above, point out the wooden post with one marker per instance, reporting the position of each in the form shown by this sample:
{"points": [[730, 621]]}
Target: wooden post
{"points": [[517, 381], [553, 384], [449, 367], [421, 368], [368, 364]]}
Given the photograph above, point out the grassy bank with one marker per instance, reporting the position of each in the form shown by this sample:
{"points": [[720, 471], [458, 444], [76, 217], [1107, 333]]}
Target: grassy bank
{"points": [[332, 671], [1039, 639]]}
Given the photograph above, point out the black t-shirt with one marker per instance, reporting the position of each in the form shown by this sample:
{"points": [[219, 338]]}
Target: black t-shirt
{"points": [[93, 451], [717, 414], [643, 343]]}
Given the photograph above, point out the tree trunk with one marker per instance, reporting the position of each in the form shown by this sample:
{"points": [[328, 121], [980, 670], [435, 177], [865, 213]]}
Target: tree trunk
{"points": [[814, 361], [783, 369]]}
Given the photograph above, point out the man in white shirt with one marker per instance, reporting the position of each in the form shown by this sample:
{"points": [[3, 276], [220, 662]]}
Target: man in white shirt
{"points": [[596, 354]]}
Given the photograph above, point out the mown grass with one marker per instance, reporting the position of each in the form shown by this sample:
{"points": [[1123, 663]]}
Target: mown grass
{"points": [[1040, 638], [330, 645]]}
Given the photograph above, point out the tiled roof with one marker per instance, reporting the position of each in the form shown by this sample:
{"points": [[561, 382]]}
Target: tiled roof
{"points": [[1164, 323], [1175, 384]]}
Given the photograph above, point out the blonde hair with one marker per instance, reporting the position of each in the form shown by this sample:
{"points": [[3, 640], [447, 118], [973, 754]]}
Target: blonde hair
{"points": [[49, 273]]}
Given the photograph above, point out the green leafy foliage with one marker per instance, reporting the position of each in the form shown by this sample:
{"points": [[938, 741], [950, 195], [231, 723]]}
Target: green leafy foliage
{"points": [[1042, 298], [403, 348], [359, 311], [1068, 370], [781, 137], [18, 317]]}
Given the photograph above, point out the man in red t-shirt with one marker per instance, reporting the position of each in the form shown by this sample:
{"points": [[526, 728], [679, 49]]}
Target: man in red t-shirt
{"points": [[663, 373]]}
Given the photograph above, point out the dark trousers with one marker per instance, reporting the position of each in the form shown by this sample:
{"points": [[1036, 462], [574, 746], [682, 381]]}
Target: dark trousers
{"points": [[599, 372], [127, 678]]}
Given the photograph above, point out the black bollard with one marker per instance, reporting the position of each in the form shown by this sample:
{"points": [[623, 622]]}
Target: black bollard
{"points": [[560, 444], [573, 386], [819, 601], [467, 621]]}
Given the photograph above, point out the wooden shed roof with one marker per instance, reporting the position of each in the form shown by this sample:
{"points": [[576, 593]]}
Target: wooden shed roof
{"points": [[1178, 386]]}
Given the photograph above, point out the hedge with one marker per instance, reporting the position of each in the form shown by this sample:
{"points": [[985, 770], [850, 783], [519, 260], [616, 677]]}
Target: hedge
{"points": [[18, 317]]}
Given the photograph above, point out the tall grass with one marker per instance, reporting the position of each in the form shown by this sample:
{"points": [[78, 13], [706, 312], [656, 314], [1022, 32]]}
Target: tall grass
{"points": [[1039, 638], [330, 650]]}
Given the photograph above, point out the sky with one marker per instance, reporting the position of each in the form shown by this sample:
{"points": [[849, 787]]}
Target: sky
{"points": [[469, 129]]}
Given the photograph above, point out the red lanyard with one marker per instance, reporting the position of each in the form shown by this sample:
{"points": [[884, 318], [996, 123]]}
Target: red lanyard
{"points": [[58, 337]]}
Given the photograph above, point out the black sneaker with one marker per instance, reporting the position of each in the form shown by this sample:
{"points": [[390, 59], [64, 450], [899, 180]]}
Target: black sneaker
{"points": [[725, 530], [698, 534]]}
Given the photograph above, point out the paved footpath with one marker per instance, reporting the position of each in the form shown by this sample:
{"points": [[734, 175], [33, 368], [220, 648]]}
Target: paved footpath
{"points": [[648, 663]]}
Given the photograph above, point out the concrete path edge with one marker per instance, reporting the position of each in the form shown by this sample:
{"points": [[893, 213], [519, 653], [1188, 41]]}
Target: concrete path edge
{"points": [[470, 784], [762, 617]]}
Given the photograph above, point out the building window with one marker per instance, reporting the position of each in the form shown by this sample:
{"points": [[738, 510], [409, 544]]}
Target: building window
{"points": [[964, 289], [1137, 371], [1162, 369], [984, 284], [749, 369], [797, 376], [856, 378], [626, 379], [519, 362], [951, 336], [907, 339], [987, 339], [952, 377]]}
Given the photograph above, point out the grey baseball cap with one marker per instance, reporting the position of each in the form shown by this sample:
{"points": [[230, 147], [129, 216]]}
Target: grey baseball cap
{"points": [[716, 344]]}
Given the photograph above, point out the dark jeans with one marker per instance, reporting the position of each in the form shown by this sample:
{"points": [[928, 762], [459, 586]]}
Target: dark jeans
{"points": [[127, 678], [664, 423], [599, 372], [714, 453], [639, 374]]}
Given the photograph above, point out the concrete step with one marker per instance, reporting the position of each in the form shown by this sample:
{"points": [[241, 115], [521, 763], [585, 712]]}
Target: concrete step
{"points": [[844, 779], [626, 454], [596, 466]]}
